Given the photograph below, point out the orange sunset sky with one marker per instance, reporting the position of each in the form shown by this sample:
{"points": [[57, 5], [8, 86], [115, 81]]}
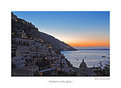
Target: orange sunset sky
{"points": [[76, 28]]}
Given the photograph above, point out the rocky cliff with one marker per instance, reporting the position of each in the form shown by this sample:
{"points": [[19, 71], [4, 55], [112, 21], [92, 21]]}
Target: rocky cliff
{"points": [[33, 33]]}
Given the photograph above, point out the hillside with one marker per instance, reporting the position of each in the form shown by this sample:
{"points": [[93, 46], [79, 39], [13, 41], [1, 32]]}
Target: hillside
{"points": [[33, 33]]}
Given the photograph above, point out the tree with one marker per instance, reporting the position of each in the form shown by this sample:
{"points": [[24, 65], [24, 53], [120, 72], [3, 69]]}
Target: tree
{"points": [[103, 71]]}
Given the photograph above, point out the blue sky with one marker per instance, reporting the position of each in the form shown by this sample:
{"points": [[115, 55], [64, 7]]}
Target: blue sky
{"points": [[72, 27]]}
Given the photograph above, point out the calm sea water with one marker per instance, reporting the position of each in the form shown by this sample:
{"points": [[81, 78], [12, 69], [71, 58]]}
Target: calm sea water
{"points": [[92, 57]]}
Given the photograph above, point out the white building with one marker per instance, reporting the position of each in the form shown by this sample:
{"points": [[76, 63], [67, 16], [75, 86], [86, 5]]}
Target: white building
{"points": [[23, 41], [37, 50], [23, 51]]}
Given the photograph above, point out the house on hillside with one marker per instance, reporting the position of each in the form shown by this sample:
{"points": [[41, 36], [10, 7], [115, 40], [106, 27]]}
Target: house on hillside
{"points": [[21, 33]]}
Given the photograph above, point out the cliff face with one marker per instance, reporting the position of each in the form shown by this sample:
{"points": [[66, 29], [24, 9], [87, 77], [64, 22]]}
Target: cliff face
{"points": [[33, 33]]}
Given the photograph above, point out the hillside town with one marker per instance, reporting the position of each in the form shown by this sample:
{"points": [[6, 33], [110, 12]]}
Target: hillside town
{"points": [[32, 55], [29, 54]]}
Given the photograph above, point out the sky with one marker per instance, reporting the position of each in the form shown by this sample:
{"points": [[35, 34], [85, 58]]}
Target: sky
{"points": [[76, 28]]}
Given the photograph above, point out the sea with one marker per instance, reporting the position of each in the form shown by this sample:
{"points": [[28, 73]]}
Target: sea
{"points": [[91, 55]]}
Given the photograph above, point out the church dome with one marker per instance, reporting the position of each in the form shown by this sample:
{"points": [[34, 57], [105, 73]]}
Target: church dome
{"points": [[83, 64]]}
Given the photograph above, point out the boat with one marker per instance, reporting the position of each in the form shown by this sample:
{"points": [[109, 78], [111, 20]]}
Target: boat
{"points": [[104, 56]]}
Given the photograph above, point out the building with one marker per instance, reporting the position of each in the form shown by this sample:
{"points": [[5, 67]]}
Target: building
{"points": [[37, 51], [83, 68], [39, 40], [23, 51], [21, 33], [13, 49], [22, 41]]}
